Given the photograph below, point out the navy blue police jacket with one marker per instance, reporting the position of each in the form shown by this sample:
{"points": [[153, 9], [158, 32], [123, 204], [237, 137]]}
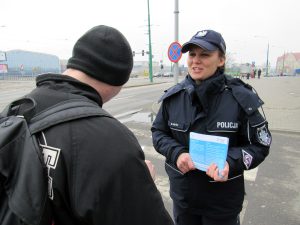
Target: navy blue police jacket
{"points": [[221, 106]]}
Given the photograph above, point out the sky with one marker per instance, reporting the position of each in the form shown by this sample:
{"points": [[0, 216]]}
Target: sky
{"points": [[248, 26]]}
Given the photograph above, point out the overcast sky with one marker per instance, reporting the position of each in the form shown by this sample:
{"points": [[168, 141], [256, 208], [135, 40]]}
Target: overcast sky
{"points": [[53, 26]]}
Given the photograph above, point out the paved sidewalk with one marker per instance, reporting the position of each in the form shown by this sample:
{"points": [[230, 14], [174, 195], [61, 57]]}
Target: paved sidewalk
{"points": [[282, 101]]}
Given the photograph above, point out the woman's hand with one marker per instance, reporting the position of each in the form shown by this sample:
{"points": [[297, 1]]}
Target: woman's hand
{"points": [[185, 163], [213, 172]]}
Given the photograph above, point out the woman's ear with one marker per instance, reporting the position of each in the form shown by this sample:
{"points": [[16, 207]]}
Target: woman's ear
{"points": [[222, 61]]}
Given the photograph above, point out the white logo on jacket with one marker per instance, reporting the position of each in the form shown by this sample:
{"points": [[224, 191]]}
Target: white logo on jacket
{"points": [[51, 156]]}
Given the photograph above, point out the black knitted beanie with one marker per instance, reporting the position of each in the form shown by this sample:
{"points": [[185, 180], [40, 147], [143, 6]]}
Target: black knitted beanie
{"points": [[104, 54]]}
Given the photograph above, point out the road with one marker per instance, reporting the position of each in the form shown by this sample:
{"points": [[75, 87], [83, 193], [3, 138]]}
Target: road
{"points": [[272, 189], [273, 197]]}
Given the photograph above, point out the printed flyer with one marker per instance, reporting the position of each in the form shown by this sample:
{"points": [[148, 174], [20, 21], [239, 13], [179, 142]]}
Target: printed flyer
{"points": [[208, 149]]}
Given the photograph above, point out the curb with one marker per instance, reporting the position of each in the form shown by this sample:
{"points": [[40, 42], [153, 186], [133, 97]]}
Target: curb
{"points": [[143, 84]]}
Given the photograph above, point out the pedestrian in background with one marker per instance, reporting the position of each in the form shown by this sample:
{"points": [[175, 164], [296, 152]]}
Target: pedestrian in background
{"points": [[254, 73], [100, 176], [212, 103], [259, 73]]}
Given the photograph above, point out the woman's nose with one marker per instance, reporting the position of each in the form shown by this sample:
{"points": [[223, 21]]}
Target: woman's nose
{"points": [[197, 59]]}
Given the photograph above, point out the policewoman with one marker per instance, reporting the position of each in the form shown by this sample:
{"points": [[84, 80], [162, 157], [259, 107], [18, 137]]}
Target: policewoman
{"points": [[209, 102]]}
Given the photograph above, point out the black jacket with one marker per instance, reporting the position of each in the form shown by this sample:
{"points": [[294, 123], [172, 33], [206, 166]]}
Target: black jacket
{"points": [[96, 168], [220, 106]]}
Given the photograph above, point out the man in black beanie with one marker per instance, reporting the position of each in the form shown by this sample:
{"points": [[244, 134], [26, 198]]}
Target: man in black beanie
{"points": [[104, 54], [100, 174]]}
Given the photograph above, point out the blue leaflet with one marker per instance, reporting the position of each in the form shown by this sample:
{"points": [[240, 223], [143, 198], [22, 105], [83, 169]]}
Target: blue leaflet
{"points": [[208, 149]]}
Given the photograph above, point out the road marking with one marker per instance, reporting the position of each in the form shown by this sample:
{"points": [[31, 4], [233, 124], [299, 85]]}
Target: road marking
{"points": [[250, 175], [127, 113], [242, 213], [121, 98]]}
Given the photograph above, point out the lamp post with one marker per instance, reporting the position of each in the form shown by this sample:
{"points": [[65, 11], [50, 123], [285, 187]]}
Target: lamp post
{"points": [[267, 65], [267, 62], [150, 47]]}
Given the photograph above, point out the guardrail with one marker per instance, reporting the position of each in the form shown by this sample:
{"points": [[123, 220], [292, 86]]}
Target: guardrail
{"points": [[17, 77]]}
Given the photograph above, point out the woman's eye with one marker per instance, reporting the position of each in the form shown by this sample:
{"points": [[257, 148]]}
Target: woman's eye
{"points": [[205, 54]]}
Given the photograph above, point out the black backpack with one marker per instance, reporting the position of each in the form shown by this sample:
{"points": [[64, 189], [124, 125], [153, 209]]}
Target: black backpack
{"points": [[22, 167]]}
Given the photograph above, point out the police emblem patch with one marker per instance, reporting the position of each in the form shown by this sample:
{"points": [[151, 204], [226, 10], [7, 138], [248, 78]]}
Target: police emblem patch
{"points": [[247, 159], [263, 136], [201, 33]]}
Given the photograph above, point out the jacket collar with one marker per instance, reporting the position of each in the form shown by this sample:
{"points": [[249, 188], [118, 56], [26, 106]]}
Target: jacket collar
{"points": [[210, 86], [68, 84]]}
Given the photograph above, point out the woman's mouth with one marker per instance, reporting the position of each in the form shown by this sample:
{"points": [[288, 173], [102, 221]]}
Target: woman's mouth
{"points": [[197, 69]]}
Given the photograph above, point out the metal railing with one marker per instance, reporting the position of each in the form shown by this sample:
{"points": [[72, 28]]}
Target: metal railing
{"points": [[17, 77]]}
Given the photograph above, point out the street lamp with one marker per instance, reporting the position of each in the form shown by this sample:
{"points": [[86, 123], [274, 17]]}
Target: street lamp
{"points": [[150, 47], [267, 62], [267, 65]]}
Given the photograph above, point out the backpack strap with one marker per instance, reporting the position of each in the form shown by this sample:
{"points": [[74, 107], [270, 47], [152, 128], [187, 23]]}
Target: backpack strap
{"points": [[65, 111], [27, 105], [21, 161]]}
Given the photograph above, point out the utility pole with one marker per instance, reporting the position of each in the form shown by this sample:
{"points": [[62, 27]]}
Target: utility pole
{"points": [[267, 66], [150, 47], [176, 37]]}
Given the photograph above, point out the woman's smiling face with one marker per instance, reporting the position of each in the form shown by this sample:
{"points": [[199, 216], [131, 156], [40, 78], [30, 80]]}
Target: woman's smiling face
{"points": [[202, 64]]}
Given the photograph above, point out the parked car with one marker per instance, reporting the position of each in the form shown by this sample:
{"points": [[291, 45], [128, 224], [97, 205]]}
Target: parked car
{"points": [[158, 74], [168, 74]]}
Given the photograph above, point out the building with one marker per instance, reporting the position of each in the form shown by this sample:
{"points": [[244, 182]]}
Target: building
{"points": [[63, 64], [24, 63], [288, 64]]}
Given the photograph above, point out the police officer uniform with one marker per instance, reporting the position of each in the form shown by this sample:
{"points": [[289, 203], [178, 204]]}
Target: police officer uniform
{"points": [[221, 106]]}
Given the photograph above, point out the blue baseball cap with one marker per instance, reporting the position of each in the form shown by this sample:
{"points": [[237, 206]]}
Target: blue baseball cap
{"points": [[209, 40]]}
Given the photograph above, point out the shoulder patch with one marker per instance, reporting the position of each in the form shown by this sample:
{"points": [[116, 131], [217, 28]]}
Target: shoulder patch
{"points": [[263, 135], [247, 159]]}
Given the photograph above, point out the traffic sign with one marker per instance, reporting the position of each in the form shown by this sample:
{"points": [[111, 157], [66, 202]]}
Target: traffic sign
{"points": [[174, 52]]}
